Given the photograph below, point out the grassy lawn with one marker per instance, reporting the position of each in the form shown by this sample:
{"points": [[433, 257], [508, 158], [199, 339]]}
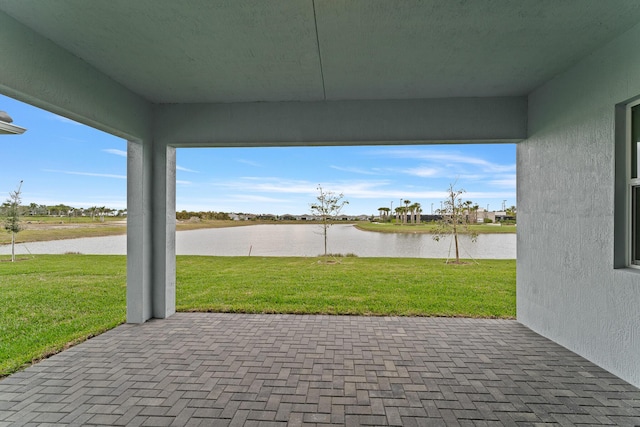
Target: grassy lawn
{"points": [[364, 286], [48, 302], [51, 301], [385, 227]]}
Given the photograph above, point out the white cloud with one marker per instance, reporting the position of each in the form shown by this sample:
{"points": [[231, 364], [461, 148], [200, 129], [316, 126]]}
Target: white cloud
{"points": [[249, 162], [474, 195], [354, 170], [448, 159], [267, 185], [101, 175], [65, 120], [181, 182], [253, 198], [507, 181], [356, 189], [423, 172], [121, 153], [180, 168]]}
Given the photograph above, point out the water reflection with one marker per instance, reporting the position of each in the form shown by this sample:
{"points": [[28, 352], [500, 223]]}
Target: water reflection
{"points": [[292, 240]]}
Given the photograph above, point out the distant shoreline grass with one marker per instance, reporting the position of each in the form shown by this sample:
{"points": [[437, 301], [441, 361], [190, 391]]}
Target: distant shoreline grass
{"points": [[430, 228], [48, 302]]}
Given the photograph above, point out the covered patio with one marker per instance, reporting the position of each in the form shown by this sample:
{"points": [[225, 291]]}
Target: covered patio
{"points": [[558, 78], [204, 369]]}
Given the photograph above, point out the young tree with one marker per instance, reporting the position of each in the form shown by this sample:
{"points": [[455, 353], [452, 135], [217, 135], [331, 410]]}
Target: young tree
{"points": [[454, 219], [327, 207], [12, 222]]}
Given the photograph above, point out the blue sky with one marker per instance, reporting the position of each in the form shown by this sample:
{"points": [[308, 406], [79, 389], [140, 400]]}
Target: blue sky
{"points": [[62, 161]]}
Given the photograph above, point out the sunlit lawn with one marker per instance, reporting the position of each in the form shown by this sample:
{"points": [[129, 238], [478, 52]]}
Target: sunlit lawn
{"points": [[50, 301], [365, 286], [430, 227]]}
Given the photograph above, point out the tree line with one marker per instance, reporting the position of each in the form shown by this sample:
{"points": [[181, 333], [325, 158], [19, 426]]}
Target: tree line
{"points": [[34, 209], [208, 215], [95, 212], [411, 212]]}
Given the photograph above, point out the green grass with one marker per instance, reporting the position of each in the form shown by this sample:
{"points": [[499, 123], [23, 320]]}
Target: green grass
{"points": [[48, 302], [362, 286], [52, 219], [385, 227]]}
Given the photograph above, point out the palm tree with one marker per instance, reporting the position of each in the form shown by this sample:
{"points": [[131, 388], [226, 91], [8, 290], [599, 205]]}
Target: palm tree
{"points": [[386, 211], [467, 208], [410, 212], [101, 211], [406, 209], [383, 211], [474, 209], [418, 210], [398, 213]]}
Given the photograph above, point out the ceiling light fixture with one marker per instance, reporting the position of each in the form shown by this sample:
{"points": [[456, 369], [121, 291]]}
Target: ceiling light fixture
{"points": [[6, 128]]}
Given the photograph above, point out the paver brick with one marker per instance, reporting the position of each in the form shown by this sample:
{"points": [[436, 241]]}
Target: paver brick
{"points": [[243, 369]]}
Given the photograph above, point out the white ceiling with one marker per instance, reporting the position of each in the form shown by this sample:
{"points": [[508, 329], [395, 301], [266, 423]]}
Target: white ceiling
{"points": [[191, 51]]}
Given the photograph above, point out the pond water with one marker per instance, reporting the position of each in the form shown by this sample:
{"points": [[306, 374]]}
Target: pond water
{"points": [[293, 240]]}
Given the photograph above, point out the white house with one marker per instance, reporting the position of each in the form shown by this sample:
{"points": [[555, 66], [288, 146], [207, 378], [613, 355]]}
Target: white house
{"points": [[559, 78]]}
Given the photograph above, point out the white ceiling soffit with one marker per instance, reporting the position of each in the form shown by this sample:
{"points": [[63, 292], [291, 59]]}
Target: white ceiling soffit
{"points": [[173, 51]]}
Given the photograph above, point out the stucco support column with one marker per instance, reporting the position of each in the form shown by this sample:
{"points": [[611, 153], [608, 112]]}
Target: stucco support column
{"points": [[139, 242], [151, 172], [164, 231]]}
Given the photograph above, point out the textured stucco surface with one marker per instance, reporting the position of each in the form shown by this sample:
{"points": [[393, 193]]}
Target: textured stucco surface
{"points": [[205, 51], [502, 119], [140, 261], [36, 71], [567, 287]]}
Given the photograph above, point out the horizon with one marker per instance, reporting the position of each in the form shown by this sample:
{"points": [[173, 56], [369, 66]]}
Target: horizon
{"points": [[64, 162]]}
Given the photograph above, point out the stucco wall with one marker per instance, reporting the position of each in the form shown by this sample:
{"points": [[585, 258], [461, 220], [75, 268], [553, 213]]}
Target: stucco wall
{"points": [[568, 289]]}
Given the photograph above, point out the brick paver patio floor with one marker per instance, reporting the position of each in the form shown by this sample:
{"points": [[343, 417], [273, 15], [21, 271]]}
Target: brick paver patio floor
{"points": [[245, 370]]}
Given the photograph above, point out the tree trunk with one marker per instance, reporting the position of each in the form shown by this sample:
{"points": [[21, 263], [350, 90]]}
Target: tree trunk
{"points": [[455, 236], [325, 236]]}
